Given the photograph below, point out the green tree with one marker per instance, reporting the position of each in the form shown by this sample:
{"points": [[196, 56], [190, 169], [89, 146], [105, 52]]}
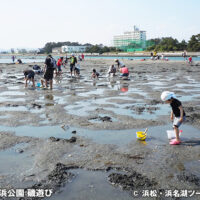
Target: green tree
{"points": [[194, 43], [183, 45], [22, 51], [101, 49], [164, 44]]}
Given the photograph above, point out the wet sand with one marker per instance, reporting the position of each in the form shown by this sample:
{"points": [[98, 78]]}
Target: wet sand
{"points": [[59, 138]]}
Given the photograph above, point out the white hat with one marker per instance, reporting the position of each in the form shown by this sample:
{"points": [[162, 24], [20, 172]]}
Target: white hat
{"points": [[166, 95], [72, 54]]}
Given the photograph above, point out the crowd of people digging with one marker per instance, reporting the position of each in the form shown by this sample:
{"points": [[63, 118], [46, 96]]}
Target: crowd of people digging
{"points": [[53, 68]]}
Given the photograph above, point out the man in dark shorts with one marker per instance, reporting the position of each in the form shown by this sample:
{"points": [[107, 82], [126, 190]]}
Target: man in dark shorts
{"points": [[29, 75], [49, 70]]}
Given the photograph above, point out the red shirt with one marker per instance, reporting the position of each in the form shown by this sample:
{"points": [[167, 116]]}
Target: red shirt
{"points": [[59, 62], [190, 59]]}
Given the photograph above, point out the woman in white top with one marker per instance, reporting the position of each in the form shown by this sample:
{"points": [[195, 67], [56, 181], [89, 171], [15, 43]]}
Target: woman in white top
{"points": [[112, 70]]}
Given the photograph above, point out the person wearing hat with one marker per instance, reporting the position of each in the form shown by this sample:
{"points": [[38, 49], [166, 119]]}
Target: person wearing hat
{"points": [[177, 113]]}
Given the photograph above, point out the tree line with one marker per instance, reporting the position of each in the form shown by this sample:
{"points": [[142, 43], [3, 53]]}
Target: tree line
{"points": [[159, 44], [90, 48], [171, 44], [50, 45]]}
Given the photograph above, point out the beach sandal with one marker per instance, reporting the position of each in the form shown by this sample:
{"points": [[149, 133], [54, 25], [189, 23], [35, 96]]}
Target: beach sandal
{"points": [[174, 142]]}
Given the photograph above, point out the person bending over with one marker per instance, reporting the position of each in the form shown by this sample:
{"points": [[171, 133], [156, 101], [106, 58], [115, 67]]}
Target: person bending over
{"points": [[29, 75]]}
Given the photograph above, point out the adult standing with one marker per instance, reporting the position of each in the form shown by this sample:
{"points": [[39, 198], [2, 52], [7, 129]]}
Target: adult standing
{"points": [[73, 61], [59, 65], [49, 70], [184, 54], [66, 60], [82, 55], [13, 58], [154, 54]]}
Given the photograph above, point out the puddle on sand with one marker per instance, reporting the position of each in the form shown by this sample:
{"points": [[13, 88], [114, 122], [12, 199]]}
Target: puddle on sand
{"points": [[188, 97], [20, 109], [4, 116], [45, 119], [12, 108], [35, 131], [145, 114], [156, 135], [156, 83], [98, 91], [12, 93], [52, 99], [12, 161], [15, 163], [81, 108], [60, 99], [5, 99], [84, 108], [90, 185], [14, 87], [183, 85]]}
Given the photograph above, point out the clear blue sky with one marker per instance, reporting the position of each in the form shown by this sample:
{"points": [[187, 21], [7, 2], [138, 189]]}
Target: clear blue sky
{"points": [[32, 23]]}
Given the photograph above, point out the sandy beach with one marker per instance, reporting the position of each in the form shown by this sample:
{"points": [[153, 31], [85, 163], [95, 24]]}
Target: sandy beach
{"points": [[84, 129]]}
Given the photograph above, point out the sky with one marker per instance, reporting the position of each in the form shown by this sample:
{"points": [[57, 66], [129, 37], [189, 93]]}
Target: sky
{"points": [[33, 23]]}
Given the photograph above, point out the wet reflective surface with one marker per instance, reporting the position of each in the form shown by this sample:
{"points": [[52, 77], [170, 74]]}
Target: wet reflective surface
{"points": [[104, 116]]}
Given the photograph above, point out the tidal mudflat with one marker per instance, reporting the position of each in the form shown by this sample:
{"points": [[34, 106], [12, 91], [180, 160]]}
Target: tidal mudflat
{"points": [[79, 138]]}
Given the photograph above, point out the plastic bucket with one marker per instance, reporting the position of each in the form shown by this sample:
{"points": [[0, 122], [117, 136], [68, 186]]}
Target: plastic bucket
{"points": [[141, 135], [38, 84], [171, 134]]}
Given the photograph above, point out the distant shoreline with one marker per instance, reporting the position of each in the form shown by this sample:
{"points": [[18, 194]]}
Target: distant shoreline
{"points": [[136, 54], [102, 55]]}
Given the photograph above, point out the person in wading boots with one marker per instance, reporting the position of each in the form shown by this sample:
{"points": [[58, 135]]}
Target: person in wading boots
{"points": [[73, 61]]}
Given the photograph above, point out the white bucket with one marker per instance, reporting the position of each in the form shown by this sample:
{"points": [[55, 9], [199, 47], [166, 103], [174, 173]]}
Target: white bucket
{"points": [[171, 134]]}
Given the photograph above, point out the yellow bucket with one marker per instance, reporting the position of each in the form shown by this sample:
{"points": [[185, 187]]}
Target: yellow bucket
{"points": [[141, 135]]}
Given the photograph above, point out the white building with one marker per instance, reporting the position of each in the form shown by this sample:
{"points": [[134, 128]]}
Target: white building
{"points": [[73, 49], [130, 37], [56, 50]]}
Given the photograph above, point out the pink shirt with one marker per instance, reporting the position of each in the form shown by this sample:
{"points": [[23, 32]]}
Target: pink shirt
{"points": [[124, 70]]}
